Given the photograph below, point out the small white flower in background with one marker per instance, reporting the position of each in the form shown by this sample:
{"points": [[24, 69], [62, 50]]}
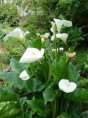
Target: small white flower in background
{"points": [[60, 49], [31, 55], [17, 33], [24, 75], [67, 86], [62, 36], [37, 34], [27, 32], [44, 36]]}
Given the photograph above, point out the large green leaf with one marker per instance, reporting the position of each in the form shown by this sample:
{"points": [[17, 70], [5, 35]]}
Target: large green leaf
{"points": [[64, 115], [8, 95], [59, 70], [17, 67], [11, 110], [34, 85], [49, 94], [38, 106], [12, 79], [79, 95], [73, 74], [30, 114], [37, 43]]}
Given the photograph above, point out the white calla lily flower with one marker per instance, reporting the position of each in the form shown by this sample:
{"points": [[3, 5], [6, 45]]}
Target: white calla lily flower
{"points": [[31, 55], [17, 33], [24, 75], [67, 86], [67, 23], [60, 23], [62, 36]]}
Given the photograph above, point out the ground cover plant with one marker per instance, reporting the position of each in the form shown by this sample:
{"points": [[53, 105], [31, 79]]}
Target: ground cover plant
{"points": [[43, 82]]}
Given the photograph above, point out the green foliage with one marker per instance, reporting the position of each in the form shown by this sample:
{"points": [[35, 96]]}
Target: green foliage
{"points": [[11, 110], [81, 62], [10, 76], [75, 10], [34, 85], [37, 105], [8, 95], [79, 95], [8, 13], [75, 36], [2, 34], [48, 94]]}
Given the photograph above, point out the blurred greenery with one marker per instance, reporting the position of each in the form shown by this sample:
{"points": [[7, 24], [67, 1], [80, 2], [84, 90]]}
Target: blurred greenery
{"points": [[8, 13]]}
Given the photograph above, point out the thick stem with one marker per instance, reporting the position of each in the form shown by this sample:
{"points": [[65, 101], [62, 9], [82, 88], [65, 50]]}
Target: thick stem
{"points": [[53, 111], [56, 48], [33, 71]]}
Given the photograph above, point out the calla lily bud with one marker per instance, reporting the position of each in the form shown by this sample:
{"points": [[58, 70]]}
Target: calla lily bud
{"points": [[67, 86]]}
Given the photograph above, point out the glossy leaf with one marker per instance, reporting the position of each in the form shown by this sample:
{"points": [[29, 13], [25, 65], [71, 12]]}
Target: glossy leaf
{"points": [[73, 74], [58, 70], [49, 94], [34, 85], [12, 79], [79, 95], [37, 105], [8, 95], [17, 67], [37, 43]]}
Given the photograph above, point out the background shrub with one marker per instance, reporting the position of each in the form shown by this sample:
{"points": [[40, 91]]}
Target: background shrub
{"points": [[8, 13]]}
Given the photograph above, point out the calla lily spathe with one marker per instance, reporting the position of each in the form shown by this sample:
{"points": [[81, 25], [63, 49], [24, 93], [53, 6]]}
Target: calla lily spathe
{"points": [[67, 86], [17, 33], [60, 23], [24, 75], [31, 55], [62, 36]]}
